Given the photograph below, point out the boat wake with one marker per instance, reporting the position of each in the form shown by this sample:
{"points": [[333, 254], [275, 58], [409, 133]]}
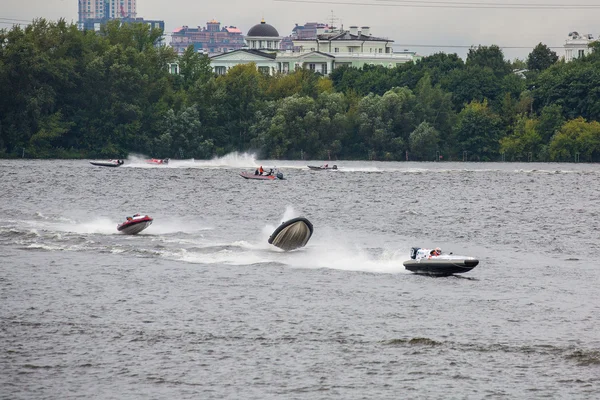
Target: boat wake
{"points": [[191, 242], [232, 160]]}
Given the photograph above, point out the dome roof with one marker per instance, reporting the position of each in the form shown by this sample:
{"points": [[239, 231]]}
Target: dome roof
{"points": [[263, 29]]}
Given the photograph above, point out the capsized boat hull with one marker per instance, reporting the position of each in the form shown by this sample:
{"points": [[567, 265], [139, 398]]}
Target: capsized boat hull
{"points": [[135, 226], [441, 265], [292, 234]]}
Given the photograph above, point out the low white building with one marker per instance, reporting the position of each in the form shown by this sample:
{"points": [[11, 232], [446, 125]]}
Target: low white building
{"points": [[327, 51], [265, 62], [577, 46]]}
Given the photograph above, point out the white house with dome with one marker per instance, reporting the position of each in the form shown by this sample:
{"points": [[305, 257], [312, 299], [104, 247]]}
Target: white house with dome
{"points": [[263, 37], [330, 49], [262, 47], [577, 46]]}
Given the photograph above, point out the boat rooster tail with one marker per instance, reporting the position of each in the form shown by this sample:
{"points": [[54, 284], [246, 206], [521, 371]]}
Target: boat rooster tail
{"points": [[292, 234]]}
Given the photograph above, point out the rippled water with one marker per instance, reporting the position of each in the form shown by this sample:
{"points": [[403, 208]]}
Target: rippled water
{"points": [[200, 305]]}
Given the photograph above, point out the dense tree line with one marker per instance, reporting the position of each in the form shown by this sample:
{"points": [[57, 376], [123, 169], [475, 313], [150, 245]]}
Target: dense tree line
{"points": [[71, 94]]}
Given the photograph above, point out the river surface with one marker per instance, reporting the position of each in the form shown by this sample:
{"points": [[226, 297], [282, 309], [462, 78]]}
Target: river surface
{"points": [[200, 306]]}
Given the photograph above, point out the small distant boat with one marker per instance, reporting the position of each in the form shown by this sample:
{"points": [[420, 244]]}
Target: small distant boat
{"points": [[249, 175], [322, 167], [292, 234], [134, 225], [108, 163], [158, 161], [438, 265]]}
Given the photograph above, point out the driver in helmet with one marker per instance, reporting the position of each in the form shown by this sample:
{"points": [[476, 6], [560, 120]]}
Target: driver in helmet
{"points": [[436, 252]]}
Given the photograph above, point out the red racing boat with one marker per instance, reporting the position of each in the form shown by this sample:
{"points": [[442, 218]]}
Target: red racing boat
{"points": [[158, 161], [134, 225]]}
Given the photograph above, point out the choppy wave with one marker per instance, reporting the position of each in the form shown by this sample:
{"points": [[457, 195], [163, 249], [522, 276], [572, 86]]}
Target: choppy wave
{"points": [[581, 357]]}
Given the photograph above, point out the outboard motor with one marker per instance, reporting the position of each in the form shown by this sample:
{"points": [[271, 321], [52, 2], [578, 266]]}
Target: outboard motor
{"points": [[413, 252], [279, 175], [334, 166]]}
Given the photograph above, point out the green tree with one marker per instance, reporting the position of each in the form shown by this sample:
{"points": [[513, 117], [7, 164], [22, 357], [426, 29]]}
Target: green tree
{"points": [[478, 132], [525, 141], [474, 83], [194, 68], [574, 86], [551, 120], [243, 94], [541, 57], [434, 105], [424, 142], [488, 57], [576, 137]]}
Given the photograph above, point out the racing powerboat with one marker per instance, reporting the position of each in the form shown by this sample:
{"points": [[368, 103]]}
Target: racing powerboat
{"points": [[292, 234], [135, 224], [322, 167], [158, 161], [268, 177], [428, 262], [108, 163]]}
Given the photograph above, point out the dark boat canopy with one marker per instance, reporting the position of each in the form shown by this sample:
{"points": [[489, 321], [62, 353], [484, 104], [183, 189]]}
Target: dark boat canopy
{"points": [[292, 234]]}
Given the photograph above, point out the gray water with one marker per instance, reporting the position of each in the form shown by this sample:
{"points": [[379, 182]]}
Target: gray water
{"points": [[200, 306]]}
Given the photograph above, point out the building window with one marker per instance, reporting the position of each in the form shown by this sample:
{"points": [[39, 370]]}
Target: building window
{"points": [[311, 67], [336, 50], [581, 53], [264, 70], [324, 70], [220, 70]]}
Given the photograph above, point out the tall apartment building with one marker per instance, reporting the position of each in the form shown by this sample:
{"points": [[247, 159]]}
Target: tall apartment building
{"points": [[211, 39], [105, 9]]}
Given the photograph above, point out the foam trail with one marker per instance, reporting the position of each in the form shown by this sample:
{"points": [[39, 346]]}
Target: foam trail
{"points": [[232, 160], [165, 225], [98, 225], [329, 253]]}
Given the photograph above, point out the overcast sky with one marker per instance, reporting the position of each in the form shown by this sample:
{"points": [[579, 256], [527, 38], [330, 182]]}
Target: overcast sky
{"points": [[427, 30]]}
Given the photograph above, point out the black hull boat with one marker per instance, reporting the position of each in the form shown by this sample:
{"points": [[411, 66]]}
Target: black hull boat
{"points": [[322, 167], [441, 265], [108, 163], [135, 224], [292, 234]]}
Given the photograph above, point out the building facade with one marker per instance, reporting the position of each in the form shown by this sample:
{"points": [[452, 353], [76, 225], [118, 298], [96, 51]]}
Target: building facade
{"points": [[210, 40], [105, 9], [577, 46], [327, 50], [96, 23]]}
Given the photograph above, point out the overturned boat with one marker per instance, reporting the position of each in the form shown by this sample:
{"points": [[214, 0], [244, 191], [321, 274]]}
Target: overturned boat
{"points": [[428, 262], [135, 224], [108, 163], [292, 234]]}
